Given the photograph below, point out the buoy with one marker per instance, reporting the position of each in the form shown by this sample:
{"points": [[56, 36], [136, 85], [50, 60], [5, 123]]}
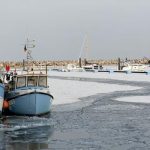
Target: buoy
{"points": [[5, 104]]}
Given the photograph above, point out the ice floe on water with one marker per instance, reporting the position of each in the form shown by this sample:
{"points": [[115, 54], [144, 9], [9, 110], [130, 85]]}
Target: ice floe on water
{"points": [[115, 107], [134, 99], [70, 91], [104, 75], [75, 91]]}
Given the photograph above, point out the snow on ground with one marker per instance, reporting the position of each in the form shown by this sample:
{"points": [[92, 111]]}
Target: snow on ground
{"points": [[104, 75], [135, 99], [69, 91]]}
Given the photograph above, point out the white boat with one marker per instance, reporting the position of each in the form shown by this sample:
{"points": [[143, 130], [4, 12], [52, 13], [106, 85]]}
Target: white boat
{"points": [[87, 68], [92, 68], [136, 67], [74, 68]]}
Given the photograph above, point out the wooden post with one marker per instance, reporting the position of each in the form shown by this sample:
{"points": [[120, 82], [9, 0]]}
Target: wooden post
{"points": [[46, 74], [23, 64], [85, 62], [80, 65], [119, 64], [46, 69]]}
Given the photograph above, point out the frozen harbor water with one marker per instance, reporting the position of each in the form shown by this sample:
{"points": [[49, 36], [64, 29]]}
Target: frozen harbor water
{"points": [[90, 111]]}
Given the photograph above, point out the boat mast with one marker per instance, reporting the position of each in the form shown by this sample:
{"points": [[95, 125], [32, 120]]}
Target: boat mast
{"points": [[85, 48], [29, 59]]}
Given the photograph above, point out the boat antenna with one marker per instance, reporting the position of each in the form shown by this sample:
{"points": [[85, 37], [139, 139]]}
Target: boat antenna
{"points": [[85, 46], [29, 44], [27, 49]]}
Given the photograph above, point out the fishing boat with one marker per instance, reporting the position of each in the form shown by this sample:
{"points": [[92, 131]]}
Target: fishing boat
{"points": [[27, 93]]}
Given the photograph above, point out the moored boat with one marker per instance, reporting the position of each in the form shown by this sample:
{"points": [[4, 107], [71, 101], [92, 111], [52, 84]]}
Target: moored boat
{"points": [[136, 67], [74, 68], [92, 67], [28, 94]]}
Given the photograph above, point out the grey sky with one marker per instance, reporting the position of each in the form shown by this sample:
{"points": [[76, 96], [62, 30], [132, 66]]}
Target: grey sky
{"points": [[116, 28]]}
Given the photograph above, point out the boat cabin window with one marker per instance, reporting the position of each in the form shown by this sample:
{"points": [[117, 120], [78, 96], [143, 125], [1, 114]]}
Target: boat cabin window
{"points": [[32, 81], [21, 82], [43, 81]]}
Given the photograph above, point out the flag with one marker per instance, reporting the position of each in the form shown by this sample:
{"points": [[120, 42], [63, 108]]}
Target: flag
{"points": [[7, 67], [25, 48]]}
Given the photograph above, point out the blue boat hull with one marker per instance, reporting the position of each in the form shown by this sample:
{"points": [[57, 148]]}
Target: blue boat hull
{"points": [[1, 97], [31, 104]]}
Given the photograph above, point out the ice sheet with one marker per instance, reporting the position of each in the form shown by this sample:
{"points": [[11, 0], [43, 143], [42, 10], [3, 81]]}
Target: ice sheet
{"points": [[104, 75], [69, 91], [135, 99]]}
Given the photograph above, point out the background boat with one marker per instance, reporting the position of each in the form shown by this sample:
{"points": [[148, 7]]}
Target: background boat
{"points": [[136, 67]]}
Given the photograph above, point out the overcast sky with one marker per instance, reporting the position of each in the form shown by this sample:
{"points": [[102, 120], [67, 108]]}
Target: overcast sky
{"points": [[115, 28]]}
